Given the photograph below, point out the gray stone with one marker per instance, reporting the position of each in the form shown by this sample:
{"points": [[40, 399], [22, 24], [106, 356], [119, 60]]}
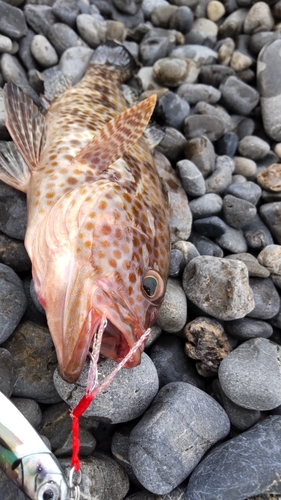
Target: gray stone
{"points": [[191, 178], [40, 18], [204, 108], [91, 30], [74, 61], [253, 457], [219, 287], [171, 110], [13, 301], [161, 15], [196, 92], [130, 393], [253, 147], [211, 227], [25, 50], [66, 11], [172, 145], [205, 246], [201, 152], [12, 21], [14, 254], [259, 18], [120, 451], [170, 72], [245, 166], [188, 250], [13, 215], [33, 353], [238, 96], [253, 266], [244, 380], [198, 53], [266, 297], [206, 205], [237, 212], [248, 191], [271, 214], [173, 311], [63, 37], [214, 74], [219, 180], [257, 234], [7, 375], [6, 44], [155, 446], [176, 262], [43, 51], [270, 257], [13, 71], [248, 328], [259, 40], [203, 125], [155, 45], [182, 19], [233, 24], [30, 410]]}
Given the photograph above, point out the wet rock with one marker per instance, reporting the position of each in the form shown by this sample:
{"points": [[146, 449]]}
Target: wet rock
{"points": [[177, 406], [256, 234], [212, 227], [252, 456], [201, 152], [248, 191], [219, 287], [243, 379], [7, 375], [259, 18], [253, 266], [191, 178], [266, 297], [238, 96], [43, 51], [13, 301], [12, 21], [271, 214], [33, 353], [203, 125], [130, 393], [206, 205], [270, 178], [170, 72], [206, 342], [171, 363], [171, 110], [248, 328], [237, 212], [173, 311], [13, 254]]}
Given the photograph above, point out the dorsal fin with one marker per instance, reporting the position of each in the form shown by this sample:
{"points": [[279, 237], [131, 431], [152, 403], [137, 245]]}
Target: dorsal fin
{"points": [[25, 123], [13, 169], [117, 136]]}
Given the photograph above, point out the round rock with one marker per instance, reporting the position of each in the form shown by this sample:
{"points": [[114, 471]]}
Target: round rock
{"points": [[270, 178], [128, 396], [237, 212], [201, 152], [206, 205], [266, 297], [248, 328], [239, 96], [191, 178], [173, 311], [270, 257], [43, 51], [271, 214], [219, 287], [259, 18], [13, 301], [170, 72], [13, 213], [253, 147], [155, 446], [244, 380]]}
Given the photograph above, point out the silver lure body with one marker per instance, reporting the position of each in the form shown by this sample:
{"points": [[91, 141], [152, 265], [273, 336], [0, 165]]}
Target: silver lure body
{"points": [[25, 458]]}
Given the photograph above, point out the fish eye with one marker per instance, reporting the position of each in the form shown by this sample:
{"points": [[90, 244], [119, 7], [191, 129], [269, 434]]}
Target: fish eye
{"points": [[48, 491], [153, 285]]}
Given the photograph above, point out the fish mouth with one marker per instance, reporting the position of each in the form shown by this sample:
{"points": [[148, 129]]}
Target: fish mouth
{"points": [[115, 345]]}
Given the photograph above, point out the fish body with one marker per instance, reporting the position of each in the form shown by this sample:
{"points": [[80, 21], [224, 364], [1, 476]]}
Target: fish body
{"points": [[97, 231], [25, 458]]}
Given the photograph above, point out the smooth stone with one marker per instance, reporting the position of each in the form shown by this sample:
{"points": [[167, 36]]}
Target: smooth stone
{"points": [[14, 254], [237, 212], [87, 444], [252, 264], [225, 51], [43, 51], [215, 10], [245, 166], [270, 178], [120, 451], [172, 365], [207, 343], [248, 191], [214, 74], [216, 111], [170, 72], [4, 134], [270, 257], [266, 297], [176, 263], [205, 246], [253, 147], [91, 30], [257, 234], [239, 96], [212, 227], [188, 250], [259, 18], [6, 44], [227, 144], [128, 7], [74, 62], [240, 418], [171, 110], [13, 71], [271, 215], [33, 342], [248, 328], [127, 397], [206, 205], [63, 37], [269, 196], [173, 311], [7, 375], [12, 21], [129, 21], [32, 313], [253, 457], [155, 45], [195, 92], [25, 51], [40, 18], [161, 15], [191, 178], [66, 11], [182, 19], [242, 125], [259, 40], [173, 144], [203, 125], [244, 380], [233, 24], [232, 240], [13, 301], [218, 181], [219, 287], [201, 152], [205, 26], [30, 410], [198, 53], [177, 407]]}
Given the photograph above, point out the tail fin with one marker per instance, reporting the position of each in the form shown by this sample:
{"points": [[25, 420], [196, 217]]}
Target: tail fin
{"points": [[115, 55]]}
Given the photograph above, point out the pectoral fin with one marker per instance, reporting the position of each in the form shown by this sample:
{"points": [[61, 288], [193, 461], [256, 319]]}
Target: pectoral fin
{"points": [[13, 169], [117, 136]]}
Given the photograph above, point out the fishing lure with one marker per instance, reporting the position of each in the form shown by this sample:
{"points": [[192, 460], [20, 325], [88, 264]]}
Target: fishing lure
{"points": [[97, 232], [25, 458]]}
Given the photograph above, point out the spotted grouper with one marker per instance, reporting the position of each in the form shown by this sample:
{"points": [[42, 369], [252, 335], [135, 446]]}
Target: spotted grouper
{"points": [[97, 232]]}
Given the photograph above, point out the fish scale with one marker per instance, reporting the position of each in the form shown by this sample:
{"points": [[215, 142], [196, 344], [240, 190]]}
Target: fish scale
{"points": [[97, 231]]}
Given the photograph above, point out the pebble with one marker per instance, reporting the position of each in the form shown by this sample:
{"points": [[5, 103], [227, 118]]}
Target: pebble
{"points": [[214, 74], [212, 227], [74, 62], [30, 410], [33, 353], [266, 297], [233, 24], [201, 152], [91, 30], [207, 343], [238, 96], [191, 178], [203, 125], [271, 214], [182, 19], [252, 264], [245, 166], [120, 451], [215, 10], [13, 302], [43, 51], [206, 27], [177, 407], [171, 110], [62, 37], [227, 144], [248, 191], [270, 257], [13, 254], [206, 205], [13, 71], [233, 240], [6, 44], [257, 235], [218, 181], [193, 93], [12, 21], [248, 328], [240, 418], [66, 11], [253, 147], [270, 178], [170, 72], [25, 51], [205, 246], [172, 144], [173, 311], [40, 18], [188, 250], [243, 379], [219, 287], [128, 396], [161, 15], [154, 46], [259, 18], [200, 54], [252, 456], [172, 364], [237, 212], [176, 262], [7, 375]]}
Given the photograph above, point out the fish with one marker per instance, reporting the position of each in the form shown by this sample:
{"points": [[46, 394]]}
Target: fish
{"points": [[98, 215], [25, 458]]}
